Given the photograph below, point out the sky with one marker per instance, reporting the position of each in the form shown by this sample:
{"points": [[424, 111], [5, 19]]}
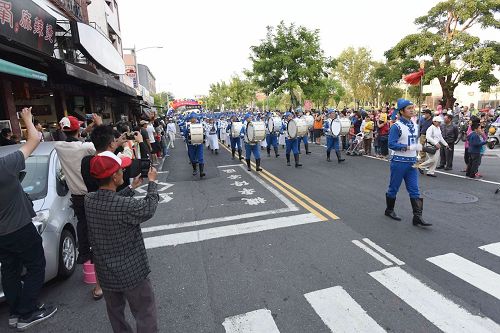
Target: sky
{"points": [[206, 41]]}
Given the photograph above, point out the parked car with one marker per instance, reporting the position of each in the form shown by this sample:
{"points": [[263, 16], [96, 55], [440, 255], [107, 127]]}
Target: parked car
{"points": [[44, 182]]}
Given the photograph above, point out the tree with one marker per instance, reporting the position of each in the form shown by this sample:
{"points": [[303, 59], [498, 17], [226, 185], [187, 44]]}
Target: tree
{"points": [[240, 92], [455, 55], [163, 98], [328, 88], [288, 59], [217, 95]]}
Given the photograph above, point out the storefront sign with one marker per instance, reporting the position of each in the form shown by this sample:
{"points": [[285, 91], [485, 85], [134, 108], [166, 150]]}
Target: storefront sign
{"points": [[25, 22]]}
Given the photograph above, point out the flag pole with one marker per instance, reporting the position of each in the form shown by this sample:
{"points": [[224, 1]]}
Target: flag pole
{"points": [[422, 66]]}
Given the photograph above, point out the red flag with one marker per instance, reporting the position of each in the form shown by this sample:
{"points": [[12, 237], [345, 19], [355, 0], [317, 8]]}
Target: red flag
{"points": [[414, 78]]}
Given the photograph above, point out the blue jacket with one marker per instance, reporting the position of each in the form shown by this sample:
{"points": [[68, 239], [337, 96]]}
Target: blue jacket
{"points": [[476, 141]]}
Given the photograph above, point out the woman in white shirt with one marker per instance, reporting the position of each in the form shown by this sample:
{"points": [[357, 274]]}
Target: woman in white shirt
{"points": [[435, 138]]}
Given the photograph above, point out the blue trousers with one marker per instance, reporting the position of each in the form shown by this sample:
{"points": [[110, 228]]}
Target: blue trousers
{"points": [[302, 139], [400, 171], [249, 149], [332, 143], [272, 140], [195, 153], [235, 142], [292, 145]]}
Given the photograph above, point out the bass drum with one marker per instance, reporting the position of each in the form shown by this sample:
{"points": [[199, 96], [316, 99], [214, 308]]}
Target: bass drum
{"points": [[195, 134], [274, 124], [340, 126], [309, 120], [256, 132], [236, 129], [296, 127]]}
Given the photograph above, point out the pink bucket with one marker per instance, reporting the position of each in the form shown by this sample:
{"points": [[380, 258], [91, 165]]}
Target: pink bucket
{"points": [[89, 273]]}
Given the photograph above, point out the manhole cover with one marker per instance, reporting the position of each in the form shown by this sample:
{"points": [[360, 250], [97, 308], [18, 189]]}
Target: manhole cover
{"points": [[450, 196]]}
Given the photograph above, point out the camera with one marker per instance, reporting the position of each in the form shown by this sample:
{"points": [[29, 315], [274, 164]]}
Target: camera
{"points": [[140, 167], [88, 116], [130, 136]]}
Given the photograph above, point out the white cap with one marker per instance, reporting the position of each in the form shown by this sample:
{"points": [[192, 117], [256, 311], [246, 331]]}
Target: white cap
{"points": [[437, 118]]}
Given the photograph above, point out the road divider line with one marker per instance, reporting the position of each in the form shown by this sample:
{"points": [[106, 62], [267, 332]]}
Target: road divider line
{"points": [[478, 276], [228, 165], [493, 248], [258, 321], [439, 310], [383, 252], [229, 230], [371, 252], [340, 312]]}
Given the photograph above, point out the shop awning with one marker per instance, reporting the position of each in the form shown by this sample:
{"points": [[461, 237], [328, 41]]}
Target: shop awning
{"points": [[13, 69]]}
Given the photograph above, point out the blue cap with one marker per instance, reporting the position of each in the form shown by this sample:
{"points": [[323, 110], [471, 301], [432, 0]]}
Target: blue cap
{"points": [[288, 114], [402, 103], [246, 116], [299, 109], [330, 111], [192, 115]]}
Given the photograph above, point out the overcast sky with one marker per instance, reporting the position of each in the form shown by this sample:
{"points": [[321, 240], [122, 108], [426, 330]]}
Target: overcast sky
{"points": [[205, 41]]}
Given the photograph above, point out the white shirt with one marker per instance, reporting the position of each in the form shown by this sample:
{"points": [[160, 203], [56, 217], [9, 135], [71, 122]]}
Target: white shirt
{"points": [[171, 128], [151, 133], [71, 154], [434, 136]]}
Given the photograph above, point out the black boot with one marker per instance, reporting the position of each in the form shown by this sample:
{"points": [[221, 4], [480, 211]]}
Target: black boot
{"points": [[339, 158], [276, 152], [233, 151], [328, 156], [288, 159], [239, 155], [216, 151], [306, 145], [194, 169], [268, 151], [417, 205], [389, 211], [202, 174], [257, 165], [296, 157], [248, 165]]}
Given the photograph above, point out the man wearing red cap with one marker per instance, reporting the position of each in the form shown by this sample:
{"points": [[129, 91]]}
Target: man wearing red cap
{"points": [[119, 254]]}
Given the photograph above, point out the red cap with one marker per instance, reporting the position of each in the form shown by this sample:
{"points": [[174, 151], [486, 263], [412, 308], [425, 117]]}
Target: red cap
{"points": [[69, 124], [105, 164]]}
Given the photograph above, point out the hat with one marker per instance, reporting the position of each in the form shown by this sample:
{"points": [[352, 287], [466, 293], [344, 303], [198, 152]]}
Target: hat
{"points": [[299, 109], [69, 124], [142, 122], [287, 114], [437, 118], [247, 115], [330, 111], [427, 111], [402, 103], [105, 164]]}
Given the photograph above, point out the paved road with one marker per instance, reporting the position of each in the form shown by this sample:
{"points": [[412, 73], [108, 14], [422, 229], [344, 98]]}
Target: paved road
{"points": [[309, 250]]}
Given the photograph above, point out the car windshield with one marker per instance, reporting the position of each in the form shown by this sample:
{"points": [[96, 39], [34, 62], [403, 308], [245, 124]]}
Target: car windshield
{"points": [[35, 181]]}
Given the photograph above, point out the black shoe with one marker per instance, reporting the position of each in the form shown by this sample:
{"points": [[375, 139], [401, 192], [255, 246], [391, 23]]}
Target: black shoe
{"points": [[248, 165], [339, 159], [36, 317], [195, 172], [216, 151], [288, 160], [440, 167], [296, 157], [239, 155], [276, 152], [431, 175], [421, 171], [257, 165], [202, 174], [418, 206], [389, 211]]}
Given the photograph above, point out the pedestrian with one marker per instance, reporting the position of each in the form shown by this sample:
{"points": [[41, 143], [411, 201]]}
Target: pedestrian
{"points": [[119, 253], [368, 135], [171, 131], [424, 123], [450, 134], [383, 132], [434, 141], [473, 120], [476, 142], [6, 137], [20, 242], [318, 127], [403, 140]]}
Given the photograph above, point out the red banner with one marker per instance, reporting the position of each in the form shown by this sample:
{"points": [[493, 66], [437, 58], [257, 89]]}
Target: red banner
{"points": [[414, 78]]}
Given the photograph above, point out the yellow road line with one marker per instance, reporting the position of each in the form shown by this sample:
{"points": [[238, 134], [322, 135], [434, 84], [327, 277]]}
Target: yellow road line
{"points": [[309, 202]]}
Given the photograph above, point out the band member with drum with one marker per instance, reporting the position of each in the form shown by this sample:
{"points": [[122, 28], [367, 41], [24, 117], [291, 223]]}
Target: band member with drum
{"points": [[271, 139], [250, 147], [212, 137], [300, 114], [195, 151], [403, 140], [332, 141], [292, 144], [235, 140]]}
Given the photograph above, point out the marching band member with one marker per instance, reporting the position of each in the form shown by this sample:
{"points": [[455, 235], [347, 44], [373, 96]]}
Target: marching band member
{"points": [[222, 125], [271, 140], [403, 140], [250, 147], [195, 151], [212, 137], [332, 142], [291, 144], [300, 114], [235, 141]]}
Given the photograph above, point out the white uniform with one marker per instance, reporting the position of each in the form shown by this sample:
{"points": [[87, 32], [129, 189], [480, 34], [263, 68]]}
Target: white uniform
{"points": [[212, 139]]}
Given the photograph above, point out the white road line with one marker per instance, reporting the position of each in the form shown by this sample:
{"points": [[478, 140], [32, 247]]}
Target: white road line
{"points": [[217, 220], [384, 252], [229, 230], [371, 252], [440, 311], [340, 312], [258, 321], [492, 248], [228, 165], [477, 275]]}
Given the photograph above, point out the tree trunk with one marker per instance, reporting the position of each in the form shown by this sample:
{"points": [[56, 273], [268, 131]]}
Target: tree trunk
{"points": [[448, 98]]}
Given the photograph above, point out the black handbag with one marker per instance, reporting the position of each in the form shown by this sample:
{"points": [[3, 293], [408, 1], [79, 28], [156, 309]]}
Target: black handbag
{"points": [[429, 148]]}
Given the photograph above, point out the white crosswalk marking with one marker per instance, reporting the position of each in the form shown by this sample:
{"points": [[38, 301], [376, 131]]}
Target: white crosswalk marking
{"points": [[492, 248], [371, 252], [340, 312], [470, 272], [258, 321], [383, 251], [442, 312]]}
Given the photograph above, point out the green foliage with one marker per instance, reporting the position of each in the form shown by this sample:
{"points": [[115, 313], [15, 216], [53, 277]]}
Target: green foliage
{"points": [[236, 94], [328, 89], [163, 98], [353, 68]]}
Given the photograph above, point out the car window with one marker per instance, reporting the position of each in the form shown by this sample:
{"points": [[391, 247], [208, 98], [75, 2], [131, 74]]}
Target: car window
{"points": [[36, 179]]}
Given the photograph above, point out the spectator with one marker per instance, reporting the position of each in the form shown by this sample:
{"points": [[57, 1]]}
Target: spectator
{"points": [[171, 131], [476, 142], [149, 139], [318, 127], [450, 135], [6, 137], [20, 242], [383, 132], [39, 130], [435, 139], [473, 120], [368, 135], [120, 257], [424, 123]]}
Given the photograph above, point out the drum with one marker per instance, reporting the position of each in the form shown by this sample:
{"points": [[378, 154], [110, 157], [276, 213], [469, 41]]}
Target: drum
{"points": [[256, 132], [309, 120], [274, 124], [296, 127], [236, 129], [195, 134], [340, 126]]}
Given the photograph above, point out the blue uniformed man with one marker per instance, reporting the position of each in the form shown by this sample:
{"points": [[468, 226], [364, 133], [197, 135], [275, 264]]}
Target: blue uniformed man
{"points": [[291, 144], [195, 151], [250, 148], [403, 140], [235, 140], [332, 141], [300, 114], [271, 140]]}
